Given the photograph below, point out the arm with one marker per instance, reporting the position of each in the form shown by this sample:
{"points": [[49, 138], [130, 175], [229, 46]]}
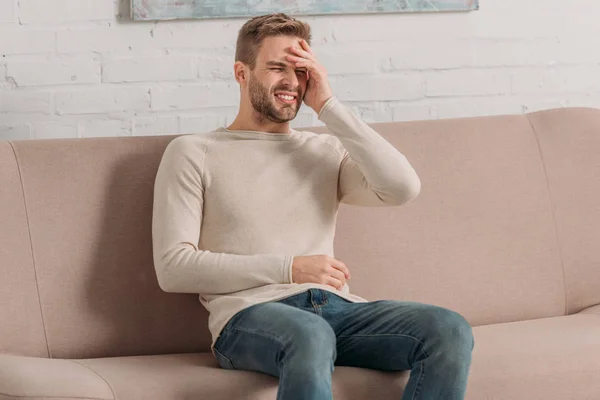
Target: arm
{"points": [[176, 220], [372, 171]]}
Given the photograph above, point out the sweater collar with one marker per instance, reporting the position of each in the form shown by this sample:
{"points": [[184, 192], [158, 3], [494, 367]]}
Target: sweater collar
{"points": [[258, 135]]}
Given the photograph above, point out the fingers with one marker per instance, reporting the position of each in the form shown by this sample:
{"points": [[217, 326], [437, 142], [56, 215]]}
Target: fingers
{"points": [[300, 62], [336, 283], [303, 58], [337, 264], [303, 63], [302, 53], [306, 46], [295, 59], [339, 275]]}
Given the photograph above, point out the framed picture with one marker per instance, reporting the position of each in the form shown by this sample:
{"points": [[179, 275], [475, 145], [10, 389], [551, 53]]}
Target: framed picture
{"points": [[149, 10]]}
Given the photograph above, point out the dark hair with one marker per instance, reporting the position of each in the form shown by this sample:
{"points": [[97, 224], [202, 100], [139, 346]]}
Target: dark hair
{"points": [[254, 31]]}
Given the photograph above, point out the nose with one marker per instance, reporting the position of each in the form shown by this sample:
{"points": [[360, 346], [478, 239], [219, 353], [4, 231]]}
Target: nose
{"points": [[291, 79]]}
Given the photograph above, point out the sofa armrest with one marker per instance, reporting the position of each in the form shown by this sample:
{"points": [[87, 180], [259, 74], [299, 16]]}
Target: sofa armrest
{"points": [[24, 377]]}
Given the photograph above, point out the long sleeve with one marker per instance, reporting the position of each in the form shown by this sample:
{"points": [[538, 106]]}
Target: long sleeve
{"points": [[176, 224], [372, 172]]}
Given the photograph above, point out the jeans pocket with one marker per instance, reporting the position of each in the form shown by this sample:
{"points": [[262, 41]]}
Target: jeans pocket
{"points": [[297, 300], [223, 361]]}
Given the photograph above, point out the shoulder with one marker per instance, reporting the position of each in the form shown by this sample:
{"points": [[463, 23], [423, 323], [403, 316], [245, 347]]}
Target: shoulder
{"points": [[190, 144], [187, 152], [325, 140]]}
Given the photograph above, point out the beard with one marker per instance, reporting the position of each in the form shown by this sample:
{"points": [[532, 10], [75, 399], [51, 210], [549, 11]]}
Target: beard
{"points": [[264, 102]]}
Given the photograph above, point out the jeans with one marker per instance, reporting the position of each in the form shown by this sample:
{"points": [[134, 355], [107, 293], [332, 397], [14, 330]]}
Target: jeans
{"points": [[301, 338]]}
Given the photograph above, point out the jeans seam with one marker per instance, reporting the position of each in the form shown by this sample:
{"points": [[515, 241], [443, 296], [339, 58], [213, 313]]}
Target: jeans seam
{"points": [[225, 357], [389, 334], [258, 333], [281, 376], [419, 380]]}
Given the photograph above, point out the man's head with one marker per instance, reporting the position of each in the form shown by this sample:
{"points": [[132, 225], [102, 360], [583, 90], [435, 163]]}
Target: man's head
{"points": [[265, 76]]}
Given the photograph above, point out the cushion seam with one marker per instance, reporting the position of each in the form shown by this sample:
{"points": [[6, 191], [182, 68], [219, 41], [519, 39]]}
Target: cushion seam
{"points": [[99, 376], [37, 286], [554, 222]]}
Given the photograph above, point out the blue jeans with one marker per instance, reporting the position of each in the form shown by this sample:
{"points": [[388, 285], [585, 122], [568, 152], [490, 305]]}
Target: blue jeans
{"points": [[299, 339]]}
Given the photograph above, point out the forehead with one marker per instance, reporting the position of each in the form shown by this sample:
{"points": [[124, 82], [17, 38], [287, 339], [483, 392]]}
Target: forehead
{"points": [[273, 47]]}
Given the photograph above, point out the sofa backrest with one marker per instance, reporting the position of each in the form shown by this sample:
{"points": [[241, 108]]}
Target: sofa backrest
{"points": [[89, 248], [485, 237], [507, 223], [570, 143], [21, 330]]}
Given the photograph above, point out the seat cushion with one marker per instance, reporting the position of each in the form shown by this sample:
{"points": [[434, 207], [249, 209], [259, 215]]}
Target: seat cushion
{"points": [[550, 358], [197, 376], [34, 378]]}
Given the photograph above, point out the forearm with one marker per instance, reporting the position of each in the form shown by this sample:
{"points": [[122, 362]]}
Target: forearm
{"points": [[386, 170], [183, 269]]}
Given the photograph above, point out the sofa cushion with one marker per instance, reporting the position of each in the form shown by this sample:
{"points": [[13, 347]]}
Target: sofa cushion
{"points": [[21, 330], [569, 140], [482, 227], [89, 206], [550, 358], [197, 376], [33, 378]]}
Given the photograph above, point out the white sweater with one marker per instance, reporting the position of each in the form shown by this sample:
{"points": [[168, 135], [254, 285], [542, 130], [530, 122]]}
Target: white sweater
{"points": [[233, 208]]}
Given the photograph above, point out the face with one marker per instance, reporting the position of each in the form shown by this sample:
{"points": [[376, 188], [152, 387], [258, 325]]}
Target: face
{"points": [[275, 89]]}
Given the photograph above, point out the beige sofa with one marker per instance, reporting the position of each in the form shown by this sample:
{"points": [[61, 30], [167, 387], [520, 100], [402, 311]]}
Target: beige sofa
{"points": [[506, 231]]}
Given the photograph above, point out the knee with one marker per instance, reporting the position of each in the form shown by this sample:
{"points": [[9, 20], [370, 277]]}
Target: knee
{"points": [[450, 333], [314, 341]]}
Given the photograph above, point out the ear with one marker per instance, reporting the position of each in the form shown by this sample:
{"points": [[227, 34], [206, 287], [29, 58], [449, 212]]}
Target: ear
{"points": [[241, 71]]}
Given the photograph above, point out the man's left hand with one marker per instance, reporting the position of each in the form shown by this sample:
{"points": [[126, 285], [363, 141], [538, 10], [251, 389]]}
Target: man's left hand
{"points": [[318, 90]]}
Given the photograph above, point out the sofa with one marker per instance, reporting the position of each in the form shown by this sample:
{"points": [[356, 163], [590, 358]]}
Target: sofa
{"points": [[506, 231]]}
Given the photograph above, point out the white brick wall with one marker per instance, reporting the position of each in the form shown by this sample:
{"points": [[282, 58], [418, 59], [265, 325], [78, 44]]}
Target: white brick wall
{"points": [[8, 11], [104, 128], [54, 70], [102, 99], [149, 69], [76, 68]]}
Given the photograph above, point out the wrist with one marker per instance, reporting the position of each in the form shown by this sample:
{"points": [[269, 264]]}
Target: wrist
{"points": [[322, 103]]}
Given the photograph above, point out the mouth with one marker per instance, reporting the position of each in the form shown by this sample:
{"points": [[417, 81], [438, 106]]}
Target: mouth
{"points": [[286, 97]]}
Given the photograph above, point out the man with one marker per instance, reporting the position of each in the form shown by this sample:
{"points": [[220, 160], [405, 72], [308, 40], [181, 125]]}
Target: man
{"points": [[245, 216]]}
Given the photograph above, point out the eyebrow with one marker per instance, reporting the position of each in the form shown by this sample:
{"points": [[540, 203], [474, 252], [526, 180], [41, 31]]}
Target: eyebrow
{"points": [[277, 64], [282, 65]]}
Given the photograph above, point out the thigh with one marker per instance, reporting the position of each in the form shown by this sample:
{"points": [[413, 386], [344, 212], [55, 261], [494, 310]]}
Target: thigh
{"points": [[256, 338], [387, 334]]}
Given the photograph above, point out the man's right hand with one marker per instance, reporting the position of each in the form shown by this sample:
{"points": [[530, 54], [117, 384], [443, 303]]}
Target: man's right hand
{"points": [[322, 269]]}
